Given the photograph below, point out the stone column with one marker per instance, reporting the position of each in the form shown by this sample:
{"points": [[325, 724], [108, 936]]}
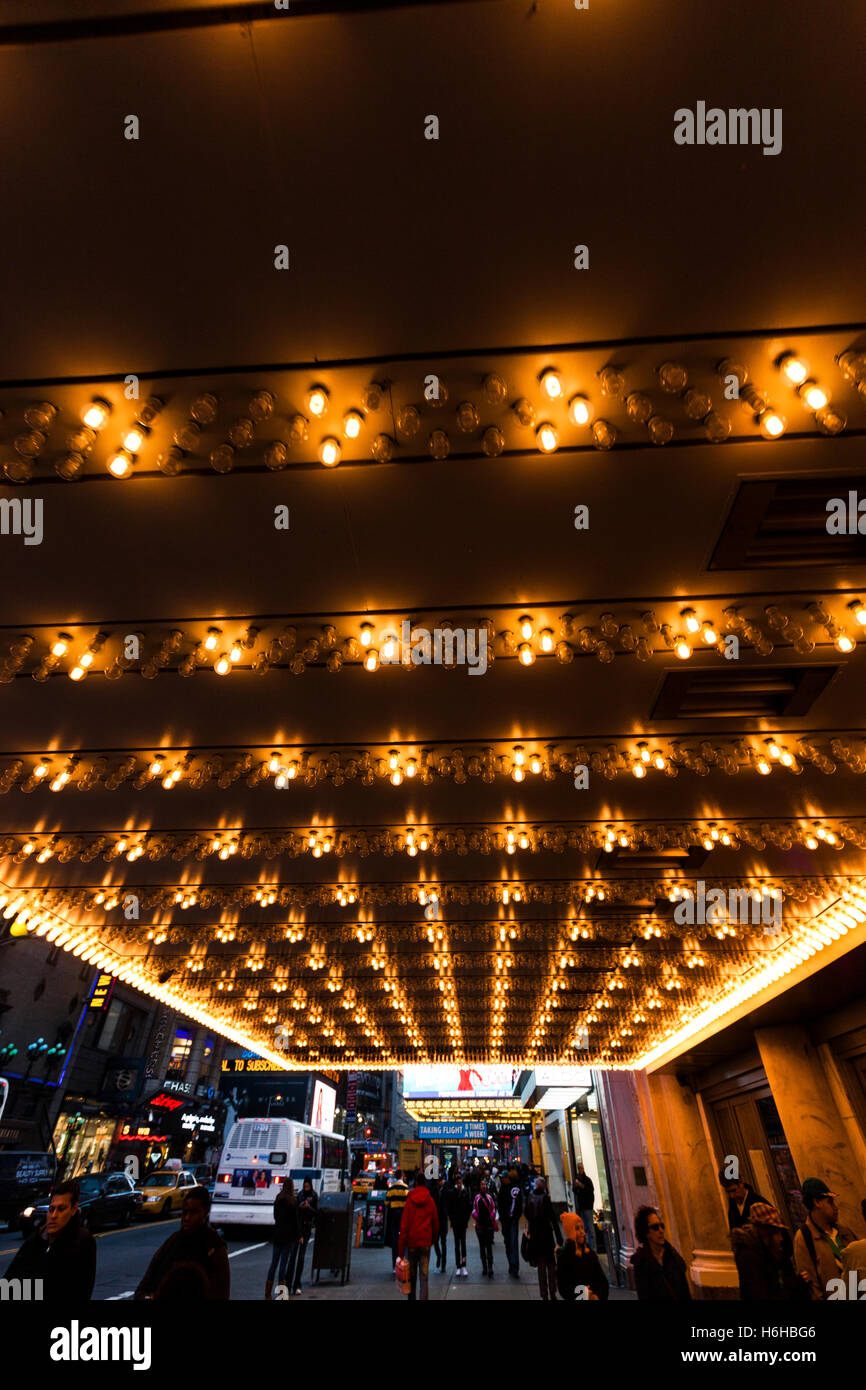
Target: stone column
{"points": [[688, 1185], [627, 1152], [813, 1126]]}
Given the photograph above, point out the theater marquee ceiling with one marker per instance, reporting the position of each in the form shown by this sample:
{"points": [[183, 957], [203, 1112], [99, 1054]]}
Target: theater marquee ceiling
{"points": [[430, 651]]}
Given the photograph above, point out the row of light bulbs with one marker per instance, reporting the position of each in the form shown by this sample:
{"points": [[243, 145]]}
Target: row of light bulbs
{"points": [[168, 769], [372, 649], [672, 377]]}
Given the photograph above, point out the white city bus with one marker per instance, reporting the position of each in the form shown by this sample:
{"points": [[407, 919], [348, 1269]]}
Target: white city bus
{"points": [[258, 1157]]}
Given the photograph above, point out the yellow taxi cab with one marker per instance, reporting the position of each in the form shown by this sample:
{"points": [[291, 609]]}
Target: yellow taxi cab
{"points": [[163, 1192]]}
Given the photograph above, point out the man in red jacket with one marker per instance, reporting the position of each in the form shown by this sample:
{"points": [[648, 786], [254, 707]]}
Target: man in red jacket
{"points": [[418, 1230]]}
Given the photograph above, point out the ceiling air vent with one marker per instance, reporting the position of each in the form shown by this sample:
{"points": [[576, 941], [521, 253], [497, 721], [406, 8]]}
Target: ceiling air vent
{"points": [[743, 692], [784, 522]]}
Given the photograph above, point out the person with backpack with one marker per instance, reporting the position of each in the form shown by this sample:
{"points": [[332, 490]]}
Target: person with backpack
{"points": [[418, 1230], [395, 1201], [308, 1210], [544, 1236], [484, 1215], [459, 1203], [819, 1242], [286, 1235]]}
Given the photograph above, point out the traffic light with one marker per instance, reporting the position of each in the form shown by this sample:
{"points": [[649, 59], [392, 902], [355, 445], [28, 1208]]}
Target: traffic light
{"points": [[368, 1133]]}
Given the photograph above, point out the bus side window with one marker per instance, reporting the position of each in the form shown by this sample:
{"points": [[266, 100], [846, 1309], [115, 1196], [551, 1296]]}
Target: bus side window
{"points": [[309, 1158]]}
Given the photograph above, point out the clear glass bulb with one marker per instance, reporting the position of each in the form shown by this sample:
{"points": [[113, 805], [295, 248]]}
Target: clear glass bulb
{"points": [[95, 415], [329, 452], [317, 401], [547, 437], [352, 422], [551, 384], [771, 424], [795, 368], [120, 464], [813, 396], [580, 410]]}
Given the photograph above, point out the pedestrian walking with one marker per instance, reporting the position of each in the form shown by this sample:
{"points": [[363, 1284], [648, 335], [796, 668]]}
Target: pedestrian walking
{"points": [[62, 1253], [584, 1192], [577, 1266], [395, 1201], [763, 1262], [308, 1210], [459, 1204], [484, 1214], [659, 1270], [820, 1241], [544, 1236], [285, 1237], [196, 1243], [418, 1230], [510, 1204], [440, 1197]]}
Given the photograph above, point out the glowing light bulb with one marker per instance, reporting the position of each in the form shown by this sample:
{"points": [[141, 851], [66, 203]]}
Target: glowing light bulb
{"points": [[771, 423], [795, 368], [95, 415], [551, 384], [213, 635], [236, 653], [844, 643], [709, 634], [859, 611], [690, 619], [547, 437], [352, 422], [134, 438], [389, 648], [77, 673], [682, 648], [814, 397], [317, 401], [86, 660], [329, 452], [638, 770], [222, 665], [525, 654], [120, 464], [546, 639], [580, 410], [60, 647], [371, 661]]}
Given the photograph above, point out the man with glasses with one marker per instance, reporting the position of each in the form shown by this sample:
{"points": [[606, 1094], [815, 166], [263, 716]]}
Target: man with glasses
{"points": [[818, 1244]]}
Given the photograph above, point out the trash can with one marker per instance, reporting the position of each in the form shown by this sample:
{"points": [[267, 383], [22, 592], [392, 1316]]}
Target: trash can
{"points": [[374, 1219], [332, 1247]]}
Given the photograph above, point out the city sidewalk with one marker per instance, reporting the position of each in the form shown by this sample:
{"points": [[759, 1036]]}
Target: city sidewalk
{"points": [[371, 1277]]}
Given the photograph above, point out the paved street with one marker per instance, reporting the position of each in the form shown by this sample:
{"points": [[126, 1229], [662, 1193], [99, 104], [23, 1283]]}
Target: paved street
{"points": [[123, 1256]]}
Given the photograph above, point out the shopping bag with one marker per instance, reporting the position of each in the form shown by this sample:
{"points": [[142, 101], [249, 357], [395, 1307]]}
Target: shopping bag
{"points": [[401, 1274]]}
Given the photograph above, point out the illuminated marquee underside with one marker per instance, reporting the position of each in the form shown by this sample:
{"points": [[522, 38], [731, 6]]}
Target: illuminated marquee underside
{"points": [[612, 991]]}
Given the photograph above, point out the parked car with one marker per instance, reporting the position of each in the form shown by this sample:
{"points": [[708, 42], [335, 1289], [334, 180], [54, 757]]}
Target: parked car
{"points": [[26, 1179], [104, 1199], [163, 1191], [201, 1172]]}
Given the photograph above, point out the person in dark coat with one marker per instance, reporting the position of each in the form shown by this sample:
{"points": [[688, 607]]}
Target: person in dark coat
{"points": [[62, 1253], [577, 1266], [510, 1204], [459, 1205], [741, 1198], [196, 1243], [584, 1195], [440, 1197], [765, 1267], [484, 1214], [659, 1270], [544, 1236], [308, 1210], [286, 1234]]}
